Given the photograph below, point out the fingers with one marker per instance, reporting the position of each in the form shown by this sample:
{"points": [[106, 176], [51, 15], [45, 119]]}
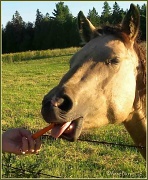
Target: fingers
{"points": [[38, 145], [30, 146], [25, 145], [24, 132]]}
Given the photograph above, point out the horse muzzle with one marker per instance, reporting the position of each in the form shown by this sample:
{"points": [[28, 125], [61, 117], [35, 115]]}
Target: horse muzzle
{"points": [[59, 110]]}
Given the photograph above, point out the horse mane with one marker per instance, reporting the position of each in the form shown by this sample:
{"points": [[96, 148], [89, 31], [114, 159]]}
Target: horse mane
{"points": [[140, 48]]}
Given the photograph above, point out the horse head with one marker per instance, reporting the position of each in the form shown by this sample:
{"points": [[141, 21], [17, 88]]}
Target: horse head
{"points": [[103, 83]]}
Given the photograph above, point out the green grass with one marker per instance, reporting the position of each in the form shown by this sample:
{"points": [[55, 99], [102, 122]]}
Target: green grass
{"points": [[33, 55], [23, 86]]}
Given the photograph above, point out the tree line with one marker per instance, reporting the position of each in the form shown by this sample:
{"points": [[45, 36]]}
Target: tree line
{"points": [[59, 30]]}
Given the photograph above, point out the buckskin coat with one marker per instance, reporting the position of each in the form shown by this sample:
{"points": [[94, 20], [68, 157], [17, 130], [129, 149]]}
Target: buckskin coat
{"points": [[106, 83]]}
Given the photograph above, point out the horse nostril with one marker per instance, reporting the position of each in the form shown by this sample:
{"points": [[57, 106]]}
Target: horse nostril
{"points": [[57, 102], [64, 103]]}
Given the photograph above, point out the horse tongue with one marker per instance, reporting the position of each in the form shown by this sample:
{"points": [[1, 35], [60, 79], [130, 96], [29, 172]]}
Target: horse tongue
{"points": [[58, 129]]}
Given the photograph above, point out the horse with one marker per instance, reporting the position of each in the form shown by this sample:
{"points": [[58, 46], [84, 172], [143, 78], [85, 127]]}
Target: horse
{"points": [[106, 83]]}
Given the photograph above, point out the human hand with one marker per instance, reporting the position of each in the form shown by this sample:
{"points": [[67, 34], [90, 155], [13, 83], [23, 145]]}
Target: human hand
{"points": [[19, 141]]}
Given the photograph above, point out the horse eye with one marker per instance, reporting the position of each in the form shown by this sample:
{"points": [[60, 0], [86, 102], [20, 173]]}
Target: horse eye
{"points": [[111, 61], [108, 62], [114, 61]]}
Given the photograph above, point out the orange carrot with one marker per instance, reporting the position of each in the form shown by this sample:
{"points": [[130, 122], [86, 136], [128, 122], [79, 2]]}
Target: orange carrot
{"points": [[42, 131]]}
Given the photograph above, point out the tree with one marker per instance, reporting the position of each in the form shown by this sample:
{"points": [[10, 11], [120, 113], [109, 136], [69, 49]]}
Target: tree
{"points": [[4, 40], [45, 32], [117, 14], [28, 37], [19, 30], [143, 10], [17, 19], [39, 18], [142, 21], [37, 31], [94, 17], [9, 37], [61, 13], [106, 14], [14, 33], [61, 24], [60, 30]]}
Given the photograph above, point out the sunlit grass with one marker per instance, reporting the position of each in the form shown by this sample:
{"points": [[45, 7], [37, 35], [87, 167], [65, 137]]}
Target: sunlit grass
{"points": [[34, 55]]}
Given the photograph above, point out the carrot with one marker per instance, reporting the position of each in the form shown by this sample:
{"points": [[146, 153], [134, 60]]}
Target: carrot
{"points": [[42, 131]]}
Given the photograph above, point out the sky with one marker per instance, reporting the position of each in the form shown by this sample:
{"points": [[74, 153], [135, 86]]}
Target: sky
{"points": [[27, 9]]}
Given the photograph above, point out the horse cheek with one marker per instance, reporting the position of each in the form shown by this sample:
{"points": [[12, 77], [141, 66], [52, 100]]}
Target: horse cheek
{"points": [[123, 102]]}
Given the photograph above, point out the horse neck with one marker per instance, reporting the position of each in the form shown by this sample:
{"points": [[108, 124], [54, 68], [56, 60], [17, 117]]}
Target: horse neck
{"points": [[136, 123]]}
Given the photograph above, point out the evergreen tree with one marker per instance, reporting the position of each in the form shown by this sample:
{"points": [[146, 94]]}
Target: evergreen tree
{"points": [[117, 14], [143, 10], [17, 20], [61, 13], [39, 18], [142, 22], [37, 32], [28, 37], [106, 14], [19, 28], [9, 37], [4, 35], [62, 23], [14, 33], [45, 32], [94, 17], [47, 17], [59, 31]]}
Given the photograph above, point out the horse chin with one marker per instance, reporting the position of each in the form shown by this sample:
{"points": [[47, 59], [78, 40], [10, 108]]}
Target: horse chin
{"points": [[73, 132]]}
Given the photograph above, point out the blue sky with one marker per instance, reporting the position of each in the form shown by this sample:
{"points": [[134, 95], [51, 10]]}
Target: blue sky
{"points": [[27, 9]]}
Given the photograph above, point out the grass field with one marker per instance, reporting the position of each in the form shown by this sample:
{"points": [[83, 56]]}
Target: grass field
{"points": [[23, 86]]}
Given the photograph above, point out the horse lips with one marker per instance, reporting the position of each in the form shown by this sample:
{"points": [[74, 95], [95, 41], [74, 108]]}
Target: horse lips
{"points": [[58, 129]]}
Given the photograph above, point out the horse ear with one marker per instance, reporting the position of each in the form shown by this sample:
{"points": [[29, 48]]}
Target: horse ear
{"points": [[131, 22], [86, 29]]}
